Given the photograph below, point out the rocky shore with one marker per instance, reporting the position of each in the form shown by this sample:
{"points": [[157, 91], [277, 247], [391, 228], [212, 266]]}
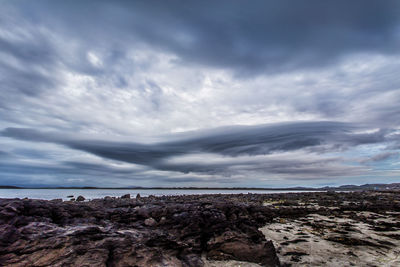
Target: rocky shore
{"points": [[293, 229]]}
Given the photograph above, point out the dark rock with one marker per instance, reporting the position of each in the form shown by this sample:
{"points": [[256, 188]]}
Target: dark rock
{"points": [[295, 241], [115, 232], [126, 196], [143, 212], [393, 236], [80, 198], [296, 253], [192, 260], [8, 234], [243, 250], [350, 241]]}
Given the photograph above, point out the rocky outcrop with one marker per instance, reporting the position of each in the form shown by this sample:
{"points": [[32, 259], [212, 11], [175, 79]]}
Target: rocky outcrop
{"points": [[168, 230], [127, 232]]}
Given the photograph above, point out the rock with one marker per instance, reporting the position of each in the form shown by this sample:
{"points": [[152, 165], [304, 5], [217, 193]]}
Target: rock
{"points": [[192, 260], [8, 234], [150, 222], [126, 196], [70, 196], [167, 230], [80, 198], [143, 212], [163, 220], [138, 196], [14, 206], [233, 246]]}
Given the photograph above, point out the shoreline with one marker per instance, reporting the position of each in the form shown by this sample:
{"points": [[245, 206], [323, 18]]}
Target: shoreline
{"points": [[352, 187], [67, 194], [202, 230]]}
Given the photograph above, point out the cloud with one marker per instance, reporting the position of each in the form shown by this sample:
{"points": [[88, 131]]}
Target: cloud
{"points": [[381, 157], [229, 142], [297, 165], [249, 37], [232, 141], [156, 85], [3, 154]]}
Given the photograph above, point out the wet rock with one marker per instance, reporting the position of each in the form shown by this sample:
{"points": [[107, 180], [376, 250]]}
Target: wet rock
{"points": [[80, 198]]}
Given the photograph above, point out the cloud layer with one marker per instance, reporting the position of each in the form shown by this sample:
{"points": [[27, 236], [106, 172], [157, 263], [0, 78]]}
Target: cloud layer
{"points": [[199, 93]]}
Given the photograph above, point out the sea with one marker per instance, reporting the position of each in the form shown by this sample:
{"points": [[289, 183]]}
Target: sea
{"points": [[101, 193]]}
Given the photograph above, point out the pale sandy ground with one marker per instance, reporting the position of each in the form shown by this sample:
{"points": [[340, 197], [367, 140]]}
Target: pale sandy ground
{"points": [[300, 244]]}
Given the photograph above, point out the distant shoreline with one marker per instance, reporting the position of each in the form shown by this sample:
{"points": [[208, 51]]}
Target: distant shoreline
{"points": [[169, 188], [392, 186]]}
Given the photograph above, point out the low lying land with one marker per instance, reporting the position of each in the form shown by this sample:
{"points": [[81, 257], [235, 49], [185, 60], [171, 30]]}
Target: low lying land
{"points": [[293, 229]]}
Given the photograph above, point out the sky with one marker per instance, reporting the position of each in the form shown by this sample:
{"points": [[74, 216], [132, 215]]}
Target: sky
{"points": [[199, 93]]}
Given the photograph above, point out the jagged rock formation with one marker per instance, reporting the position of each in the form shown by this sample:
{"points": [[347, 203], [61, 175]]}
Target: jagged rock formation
{"points": [[126, 232], [169, 230]]}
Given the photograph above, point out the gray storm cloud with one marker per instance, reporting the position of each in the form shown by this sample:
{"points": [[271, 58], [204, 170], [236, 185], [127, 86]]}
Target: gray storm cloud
{"points": [[251, 37], [231, 141], [314, 84]]}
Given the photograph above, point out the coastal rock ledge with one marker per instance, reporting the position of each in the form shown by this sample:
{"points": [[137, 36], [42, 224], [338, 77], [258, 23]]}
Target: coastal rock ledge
{"points": [[296, 229], [130, 232]]}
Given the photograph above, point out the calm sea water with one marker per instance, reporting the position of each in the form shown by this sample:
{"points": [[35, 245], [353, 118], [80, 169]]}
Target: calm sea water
{"points": [[100, 193]]}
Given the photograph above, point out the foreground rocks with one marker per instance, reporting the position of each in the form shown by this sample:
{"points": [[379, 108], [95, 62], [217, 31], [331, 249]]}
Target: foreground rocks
{"points": [[194, 230]]}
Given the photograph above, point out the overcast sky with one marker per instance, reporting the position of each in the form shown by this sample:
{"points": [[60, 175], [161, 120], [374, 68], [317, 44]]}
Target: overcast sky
{"points": [[199, 93]]}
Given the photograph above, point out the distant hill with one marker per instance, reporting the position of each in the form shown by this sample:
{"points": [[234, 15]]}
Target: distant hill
{"points": [[393, 186]]}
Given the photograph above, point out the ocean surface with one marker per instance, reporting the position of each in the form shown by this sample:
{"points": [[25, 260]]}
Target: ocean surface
{"points": [[100, 193]]}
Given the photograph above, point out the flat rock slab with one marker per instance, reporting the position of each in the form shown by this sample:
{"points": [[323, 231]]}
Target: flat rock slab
{"points": [[349, 239]]}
